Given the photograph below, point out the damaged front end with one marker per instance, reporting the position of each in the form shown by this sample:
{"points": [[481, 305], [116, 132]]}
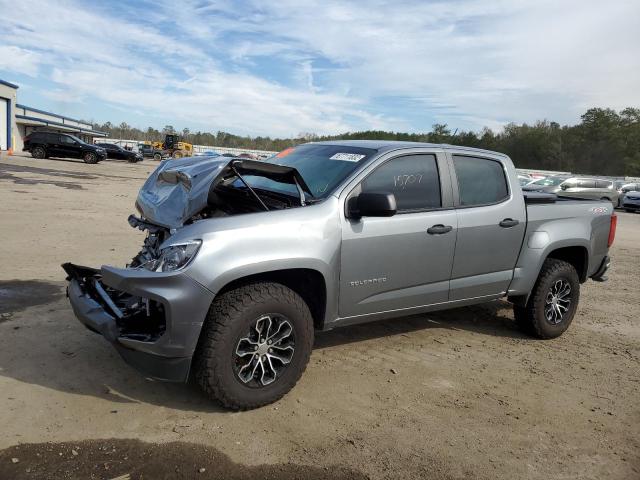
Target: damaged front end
{"points": [[152, 311], [152, 318]]}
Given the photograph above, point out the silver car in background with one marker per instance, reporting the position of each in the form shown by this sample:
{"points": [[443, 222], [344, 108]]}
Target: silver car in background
{"points": [[577, 187]]}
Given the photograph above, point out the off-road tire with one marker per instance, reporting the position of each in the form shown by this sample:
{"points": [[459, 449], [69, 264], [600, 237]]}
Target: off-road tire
{"points": [[39, 152], [90, 158], [531, 318], [229, 317]]}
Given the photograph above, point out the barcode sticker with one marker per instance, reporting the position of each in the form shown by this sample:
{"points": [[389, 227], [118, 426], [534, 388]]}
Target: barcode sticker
{"points": [[348, 157]]}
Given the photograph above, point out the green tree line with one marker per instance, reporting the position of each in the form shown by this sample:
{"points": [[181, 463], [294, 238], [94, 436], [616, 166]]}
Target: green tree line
{"points": [[605, 142]]}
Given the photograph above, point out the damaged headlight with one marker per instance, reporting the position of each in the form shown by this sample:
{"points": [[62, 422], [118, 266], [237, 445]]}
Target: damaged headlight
{"points": [[175, 257]]}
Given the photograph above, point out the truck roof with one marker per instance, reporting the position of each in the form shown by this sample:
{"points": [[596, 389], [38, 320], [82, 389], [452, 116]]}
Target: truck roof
{"points": [[386, 145]]}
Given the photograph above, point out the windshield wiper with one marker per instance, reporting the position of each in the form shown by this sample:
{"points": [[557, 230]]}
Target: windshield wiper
{"points": [[253, 192]]}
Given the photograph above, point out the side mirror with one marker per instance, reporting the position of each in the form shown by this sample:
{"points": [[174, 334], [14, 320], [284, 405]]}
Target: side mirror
{"points": [[373, 204], [564, 186]]}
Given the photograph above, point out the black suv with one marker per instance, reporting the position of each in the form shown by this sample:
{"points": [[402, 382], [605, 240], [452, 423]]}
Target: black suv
{"points": [[49, 144], [116, 151]]}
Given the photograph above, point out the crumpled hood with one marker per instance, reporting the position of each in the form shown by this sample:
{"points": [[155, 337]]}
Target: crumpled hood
{"points": [[178, 189]]}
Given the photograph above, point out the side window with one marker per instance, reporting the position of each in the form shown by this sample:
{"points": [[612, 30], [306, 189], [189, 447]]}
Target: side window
{"points": [[480, 181], [413, 179], [586, 184], [66, 140], [50, 138], [603, 184]]}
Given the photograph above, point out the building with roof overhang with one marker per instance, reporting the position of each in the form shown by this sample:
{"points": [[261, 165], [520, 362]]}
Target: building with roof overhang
{"points": [[17, 121]]}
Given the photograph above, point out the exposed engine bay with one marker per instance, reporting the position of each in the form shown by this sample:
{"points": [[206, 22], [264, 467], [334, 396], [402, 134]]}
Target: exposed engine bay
{"points": [[181, 192]]}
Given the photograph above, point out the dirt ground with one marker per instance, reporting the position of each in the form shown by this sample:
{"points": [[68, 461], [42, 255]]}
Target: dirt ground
{"points": [[471, 397]]}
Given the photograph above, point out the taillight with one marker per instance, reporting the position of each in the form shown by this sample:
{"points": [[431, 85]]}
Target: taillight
{"points": [[612, 229]]}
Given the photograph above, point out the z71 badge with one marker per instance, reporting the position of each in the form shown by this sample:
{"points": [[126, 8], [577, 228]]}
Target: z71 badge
{"points": [[599, 210]]}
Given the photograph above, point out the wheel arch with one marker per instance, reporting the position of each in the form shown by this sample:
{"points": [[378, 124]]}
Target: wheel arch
{"points": [[524, 280], [577, 256], [310, 284]]}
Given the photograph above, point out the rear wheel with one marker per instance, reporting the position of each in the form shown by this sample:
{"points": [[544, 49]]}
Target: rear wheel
{"points": [[178, 154], [553, 301], [90, 157], [38, 152], [254, 346]]}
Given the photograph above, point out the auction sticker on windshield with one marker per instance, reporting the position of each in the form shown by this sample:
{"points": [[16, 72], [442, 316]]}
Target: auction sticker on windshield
{"points": [[348, 157]]}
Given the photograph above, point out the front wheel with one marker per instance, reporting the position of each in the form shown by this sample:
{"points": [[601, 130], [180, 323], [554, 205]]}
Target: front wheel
{"points": [[553, 301], [157, 156], [255, 345], [90, 157]]}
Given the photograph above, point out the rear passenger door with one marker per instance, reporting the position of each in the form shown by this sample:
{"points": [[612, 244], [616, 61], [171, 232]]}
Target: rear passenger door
{"points": [[491, 224], [52, 144]]}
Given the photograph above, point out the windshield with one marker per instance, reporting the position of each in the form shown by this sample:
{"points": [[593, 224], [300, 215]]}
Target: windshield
{"points": [[549, 181], [321, 166]]}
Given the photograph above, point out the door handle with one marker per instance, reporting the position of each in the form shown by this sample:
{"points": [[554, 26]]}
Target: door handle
{"points": [[439, 229], [508, 223]]}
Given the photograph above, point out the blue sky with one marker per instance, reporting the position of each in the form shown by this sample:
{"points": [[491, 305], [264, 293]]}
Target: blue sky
{"points": [[286, 67]]}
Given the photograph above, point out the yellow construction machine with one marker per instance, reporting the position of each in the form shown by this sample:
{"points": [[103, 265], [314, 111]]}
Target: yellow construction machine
{"points": [[172, 146]]}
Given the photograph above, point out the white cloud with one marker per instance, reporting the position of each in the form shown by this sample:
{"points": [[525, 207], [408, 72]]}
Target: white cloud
{"points": [[341, 66], [18, 60]]}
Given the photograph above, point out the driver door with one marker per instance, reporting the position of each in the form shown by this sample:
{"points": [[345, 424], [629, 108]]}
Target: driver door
{"points": [[399, 262]]}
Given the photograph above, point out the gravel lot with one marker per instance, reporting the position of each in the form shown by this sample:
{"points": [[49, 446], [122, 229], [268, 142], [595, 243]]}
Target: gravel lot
{"points": [[471, 396]]}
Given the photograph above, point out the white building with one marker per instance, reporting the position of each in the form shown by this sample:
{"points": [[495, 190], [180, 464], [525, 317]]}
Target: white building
{"points": [[17, 121]]}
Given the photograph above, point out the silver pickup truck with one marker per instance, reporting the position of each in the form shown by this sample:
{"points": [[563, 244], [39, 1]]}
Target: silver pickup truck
{"points": [[244, 260]]}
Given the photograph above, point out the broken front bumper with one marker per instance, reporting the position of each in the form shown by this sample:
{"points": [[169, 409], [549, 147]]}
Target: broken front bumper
{"points": [[152, 318]]}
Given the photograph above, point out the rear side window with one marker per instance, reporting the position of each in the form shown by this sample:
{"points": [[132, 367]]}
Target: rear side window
{"points": [[38, 137], [603, 184], [586, 184], [480, 181], [413, 179]]}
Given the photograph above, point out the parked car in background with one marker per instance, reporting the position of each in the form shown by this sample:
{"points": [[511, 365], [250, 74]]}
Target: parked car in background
{"points": [[624, 187], [547, 184], [206, 153], [116, 151], [62, 145], [148, 151], [631, 200], [576, 187]]}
